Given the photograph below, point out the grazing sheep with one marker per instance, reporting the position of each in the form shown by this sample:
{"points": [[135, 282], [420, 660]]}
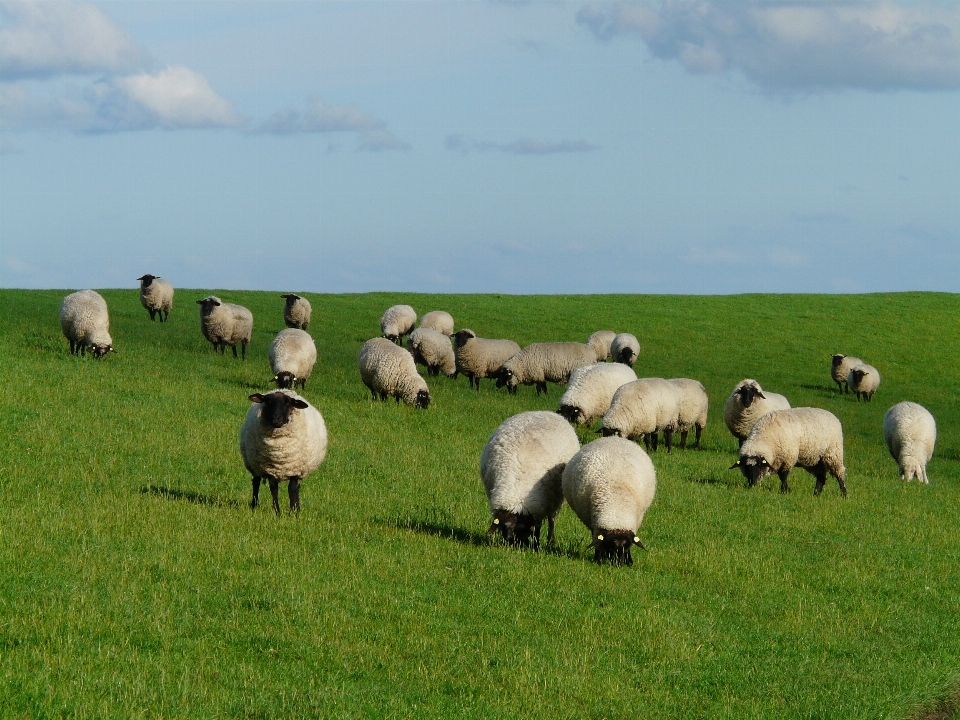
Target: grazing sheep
{"points": [[644, 408], [225, 324], [398, 321], [433, 349], [910, 433], [840, 367], [292, 357], [809, 437], [156, 295], [540, 363], [625, 349], [747, 404], [296, 311], [388, 370], [610, 484], [864, 380], [282, 439], [479, 358], [693, 408], [521, 467], [591, 389], [85, 322], [438, 320], [600, 341]]}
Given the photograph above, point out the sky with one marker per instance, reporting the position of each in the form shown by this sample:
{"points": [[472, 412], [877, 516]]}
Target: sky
{"points": [[669, 146]]}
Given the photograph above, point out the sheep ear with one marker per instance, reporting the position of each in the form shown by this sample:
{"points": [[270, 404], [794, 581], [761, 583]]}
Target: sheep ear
{"points": [[302, 405], [493, 526], [761, 395], [256, 397], [636, 541], [199, 302], [734, 466]]}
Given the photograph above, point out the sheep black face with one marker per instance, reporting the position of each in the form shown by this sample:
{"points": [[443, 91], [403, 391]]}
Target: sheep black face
{"points": [[506, 378], [207, 305], [517, 529], [858, 375], [460, 338], [146, 280], [277, 407], [98, 351], [613, 546], [423, 400], [285, 379], [571, 413], [608, 431], [627, 357], [753, 468], [837, 359], [291, 299], [748, 393]]}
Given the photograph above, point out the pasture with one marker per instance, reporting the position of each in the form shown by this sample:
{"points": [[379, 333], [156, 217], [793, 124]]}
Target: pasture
{"points": [[136, 582]]}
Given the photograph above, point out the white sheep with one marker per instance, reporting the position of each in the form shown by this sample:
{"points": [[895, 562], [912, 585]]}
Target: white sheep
{"points": [[694, 404], [591, 389], [398, 321], [389, 371], [600, 341], [434, 350], [864, 381], [292, 357], [296, 311], [748, 403], [910, 433], [479, 358], [625, 349], [643, 409], [438, 320], [540, 363], [521, 467], [156, 295], [809, 437], [85, 322], [840, 367], [225, 324], [283, 439], [610, 484]]}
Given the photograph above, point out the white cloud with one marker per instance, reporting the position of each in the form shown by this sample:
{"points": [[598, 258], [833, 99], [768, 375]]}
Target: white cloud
{"points": [[321, 117], [523, 146], [797, 44], [178, 97]]}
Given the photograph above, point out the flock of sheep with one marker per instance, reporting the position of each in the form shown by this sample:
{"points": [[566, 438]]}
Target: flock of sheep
{"points": [[533, 462]]}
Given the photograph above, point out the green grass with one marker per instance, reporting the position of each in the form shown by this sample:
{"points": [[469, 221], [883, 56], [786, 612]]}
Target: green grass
{"points": [[136, 582]]}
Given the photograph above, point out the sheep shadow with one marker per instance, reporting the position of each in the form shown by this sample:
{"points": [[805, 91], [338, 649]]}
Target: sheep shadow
{"points": [[824, 390], [168, 493]]}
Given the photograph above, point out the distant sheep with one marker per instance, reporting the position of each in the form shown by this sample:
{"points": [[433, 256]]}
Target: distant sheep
{"points": [[625, 349], [694, 404], [85, 322], [398, 321], [292, 357], [434, 350], [156, 295], [840, 367], [296, 311], [600, 341], [479, 358], [438, 320], [911, 434], [748, 403], [389, 371], [225, 324], [864, 381], [591, 389], [643, 409], [540, 363]]}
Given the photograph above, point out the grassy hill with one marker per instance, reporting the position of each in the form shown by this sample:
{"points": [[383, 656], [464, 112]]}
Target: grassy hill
{"points": [[136, 582]]}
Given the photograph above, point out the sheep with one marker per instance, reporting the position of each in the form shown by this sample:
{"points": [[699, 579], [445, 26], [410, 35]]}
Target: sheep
{"points": [[225, 324], [601, 341], [747, 404], [840, 367], [910, 433], [398, 321], [520, 466], [864, 379], [388, 370], [282, 439], [479, 358], [156, 295], [610, 484], [591, 389], [292, 357], [693, 409], [539, 363], [644, 408], [296, 311], [85, 322], [438, 320], [625, 349], [433, 349], [809, 437]]}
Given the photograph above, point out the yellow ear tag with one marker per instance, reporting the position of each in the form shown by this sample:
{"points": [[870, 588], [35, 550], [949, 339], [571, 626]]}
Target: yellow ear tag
{"points": [[496, 521], [599, 537], [636, 540]]}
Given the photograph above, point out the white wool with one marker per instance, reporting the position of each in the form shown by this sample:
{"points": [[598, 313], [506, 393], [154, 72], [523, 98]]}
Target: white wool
{"points": [[388, 370], [693, 405], [540, 363], [591, 389], [85, 320], [433, 349], [868, 383], [438, 320], [739, 419], [226, 323], [158, 295], [481, 357], [293, 351], [625, 349], [600, 341], [296, 311], [292, 451], [398, 321], [911, 434], [643, 407]]}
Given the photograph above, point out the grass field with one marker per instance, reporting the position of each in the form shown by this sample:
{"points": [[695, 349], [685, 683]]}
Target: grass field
{"points": [[136, 582]]}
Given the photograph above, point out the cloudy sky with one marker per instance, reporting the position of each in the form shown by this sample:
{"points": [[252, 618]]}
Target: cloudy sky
{"points": [[680, 146]]}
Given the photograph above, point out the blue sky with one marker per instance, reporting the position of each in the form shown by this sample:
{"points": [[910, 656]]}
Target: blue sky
{"points": [[682, 146]]}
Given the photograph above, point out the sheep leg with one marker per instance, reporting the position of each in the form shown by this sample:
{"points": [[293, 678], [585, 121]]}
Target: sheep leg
{"points": [[536, 536], [839, 386], [683, 439], [293, 490], [784, 488], [153, 315], [668, 439], [551, 521], [256, 493], [739, 442], [655, 440], [646, 441], [820, 473], [274, 490], [234, 348], [842, 482], [699, 433]]}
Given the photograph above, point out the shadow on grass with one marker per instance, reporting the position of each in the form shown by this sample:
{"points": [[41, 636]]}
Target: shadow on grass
{"points": [[732, 482], [824, 391], [946, 709], [196, 498]]}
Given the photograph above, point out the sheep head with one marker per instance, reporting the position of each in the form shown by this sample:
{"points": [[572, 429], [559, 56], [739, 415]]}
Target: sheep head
{"points": [[837, 359], [284, 379], [515, 528], [423, 399], [748, 393], [208, 304], [572, 414], [278, 407], [753, 467], [145, 280], [613, 546], [98, 351]]}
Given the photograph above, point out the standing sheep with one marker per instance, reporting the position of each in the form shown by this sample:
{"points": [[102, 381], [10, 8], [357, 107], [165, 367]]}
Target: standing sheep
{"points": [[910, 433], [610, 484], [396, 322], [625, 349], [85, 322], [644, 408], [282, 439], [292, 357], [747, 404], [225, 324], [388, 370], [600, 341], [693, 408], [864, 379], [521, 467], [438, 320], [296, 311], [432, 349], [809, 437], [540, 363], [156, 295], [840, 367], [479, 358], [591, 389]]}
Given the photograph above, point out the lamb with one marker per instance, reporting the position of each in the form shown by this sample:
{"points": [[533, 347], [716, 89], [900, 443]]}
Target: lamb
{"points": [[644, 408], [292, 357], [910, 433], [433, 349], [610, 484], [693, 409], [398, 321], [809, 437], [85, 322], [747, 404], [156, 295], [479, 358], [282, 439], [521, 467], [438, 320], [591, 389], [225, 324], [600, 341], [840, 367], [296, 311], [625, 349], [864, 379], [388, 370], [539, 363]]}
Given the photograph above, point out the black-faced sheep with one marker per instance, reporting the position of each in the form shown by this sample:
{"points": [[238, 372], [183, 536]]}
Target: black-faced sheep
{"points": [[540, 363], [296, 311], [911, 434], [864, 381], [748, 403], [479, 358], [396, 322], [292, 357], [389, 371], [156, 295], [225, 324], [643, 409], [85, 322], [840, 367], [591, 389]]}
